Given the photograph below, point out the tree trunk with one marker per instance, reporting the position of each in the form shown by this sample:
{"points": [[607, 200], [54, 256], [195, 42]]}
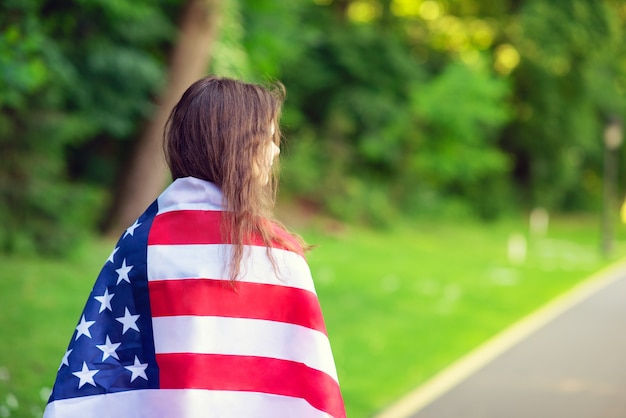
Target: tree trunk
{"points": [[147, 172]]}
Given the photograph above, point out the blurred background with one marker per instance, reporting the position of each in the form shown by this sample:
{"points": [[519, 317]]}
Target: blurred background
{"points": [[457, 162]]}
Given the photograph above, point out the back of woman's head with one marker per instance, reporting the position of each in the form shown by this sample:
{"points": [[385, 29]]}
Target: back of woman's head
{"points": [[219, 132]]}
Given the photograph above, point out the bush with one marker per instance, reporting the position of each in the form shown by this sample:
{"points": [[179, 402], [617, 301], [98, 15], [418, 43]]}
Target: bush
{"points": [[71, 73]]}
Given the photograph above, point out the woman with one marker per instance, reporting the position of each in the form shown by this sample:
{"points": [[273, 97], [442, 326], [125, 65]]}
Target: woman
{"points": [[206, 307]]}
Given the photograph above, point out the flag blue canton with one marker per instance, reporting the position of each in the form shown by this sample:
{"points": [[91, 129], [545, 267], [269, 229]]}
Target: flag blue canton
{"points": [[112, 348]]}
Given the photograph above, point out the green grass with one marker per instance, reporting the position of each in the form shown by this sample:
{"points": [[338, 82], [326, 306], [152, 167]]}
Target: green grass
{"points": [[40, 302], [400, 305]]}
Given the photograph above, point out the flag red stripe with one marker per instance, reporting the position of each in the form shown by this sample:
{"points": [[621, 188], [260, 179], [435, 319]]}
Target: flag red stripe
{"points": [[184, 227], [209, 297], [187, 227], [251, 374]]}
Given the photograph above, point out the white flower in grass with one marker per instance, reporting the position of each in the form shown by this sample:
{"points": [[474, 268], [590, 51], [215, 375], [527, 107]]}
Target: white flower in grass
{"points": [[44, 393], [4, 374], [11, 401]]}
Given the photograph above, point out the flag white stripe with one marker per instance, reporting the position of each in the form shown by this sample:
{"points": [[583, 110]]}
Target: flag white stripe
{"points": [[251, 337], [166, 262], [189, 206], [190, 403], [190, 194]]}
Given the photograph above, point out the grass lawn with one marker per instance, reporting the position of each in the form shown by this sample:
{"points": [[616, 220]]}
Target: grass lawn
{"points": [[400, 304]]}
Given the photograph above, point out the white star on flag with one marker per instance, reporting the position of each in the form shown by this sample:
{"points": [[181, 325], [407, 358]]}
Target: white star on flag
{"points": [[105, 300], [66, 359], [85, 376], [131, 229], [122, 272], [83, 328], [138, 370], [108, 349], [112, 256], [129, 321]]}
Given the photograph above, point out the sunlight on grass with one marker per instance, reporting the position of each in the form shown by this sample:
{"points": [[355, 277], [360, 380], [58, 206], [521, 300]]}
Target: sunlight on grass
{"points": [[400, 304]]}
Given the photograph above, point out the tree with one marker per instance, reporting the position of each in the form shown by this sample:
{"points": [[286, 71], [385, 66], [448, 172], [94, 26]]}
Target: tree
{"points": [[382, 124], [566, 84], [147, 172]]}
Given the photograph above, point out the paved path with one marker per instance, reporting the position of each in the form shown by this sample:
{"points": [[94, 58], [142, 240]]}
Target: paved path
{"points": [[568, 360]]}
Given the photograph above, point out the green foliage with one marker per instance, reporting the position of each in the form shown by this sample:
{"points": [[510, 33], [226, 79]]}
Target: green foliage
{"points": [[362, 124], [229, 57], [566, 86], [71, 74], [461, 111], [440, 108], [386, 128], [407, 102], [274, 34]]}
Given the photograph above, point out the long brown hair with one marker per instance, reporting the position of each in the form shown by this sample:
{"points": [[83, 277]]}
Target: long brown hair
{"points": [[219, 132]]}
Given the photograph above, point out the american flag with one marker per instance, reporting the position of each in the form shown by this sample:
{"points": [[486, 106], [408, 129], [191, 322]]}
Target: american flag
{"points": [[164, 333]]}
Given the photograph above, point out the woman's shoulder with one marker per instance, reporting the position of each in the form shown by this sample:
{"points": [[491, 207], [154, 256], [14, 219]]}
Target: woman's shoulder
{"points": [[286, 240]]}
